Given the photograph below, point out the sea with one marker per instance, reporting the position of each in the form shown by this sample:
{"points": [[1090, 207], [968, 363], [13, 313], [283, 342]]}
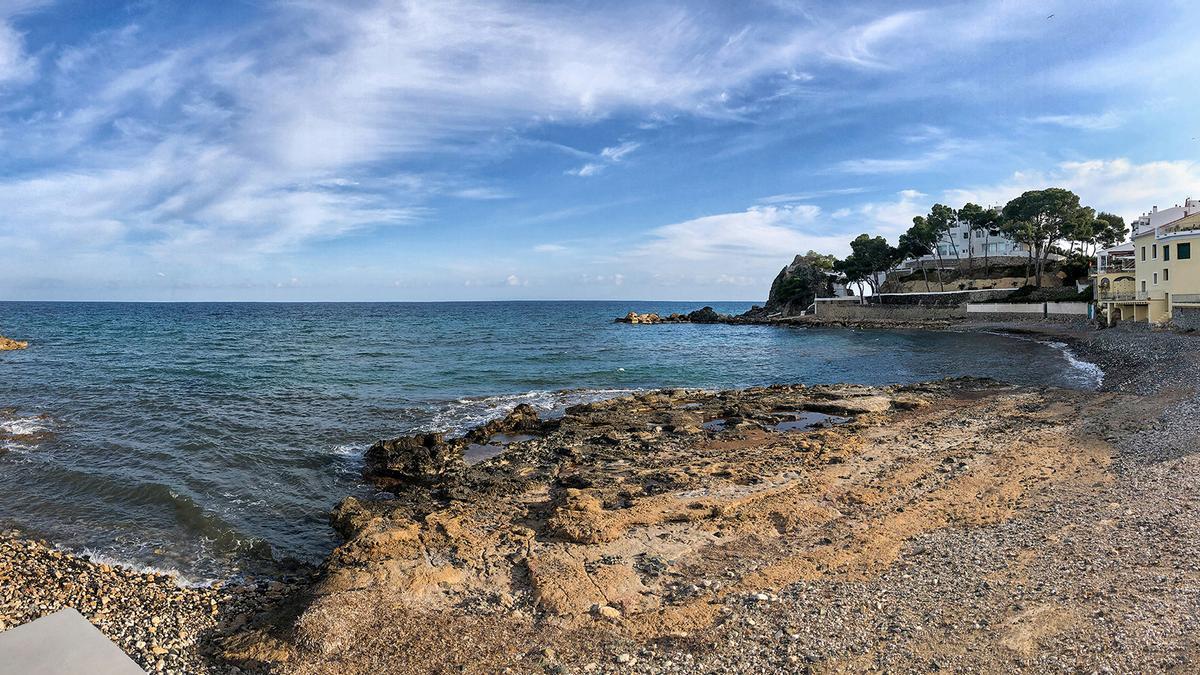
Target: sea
{"points": [[213, 439]]}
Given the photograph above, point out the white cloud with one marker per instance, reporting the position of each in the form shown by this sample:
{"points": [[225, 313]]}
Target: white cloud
{"points": [[15, 65], [1116, 185], [940, 152], [793, 197], [1098, 122], [618, 152], [608, 156], [887, 218], [549, 248], [758, 232], [589, 169]]}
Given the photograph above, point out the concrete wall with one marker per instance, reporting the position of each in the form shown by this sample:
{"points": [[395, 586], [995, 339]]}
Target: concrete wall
{"points": [[849, 312], [1035, 308], [1185, 318]]}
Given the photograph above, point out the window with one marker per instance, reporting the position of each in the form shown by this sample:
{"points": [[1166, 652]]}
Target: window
{"points": [[1183, 251], [1166, 252], [1154, 251], [1156, 278], [1143, 285], [1143, 254], [1166, 273]]}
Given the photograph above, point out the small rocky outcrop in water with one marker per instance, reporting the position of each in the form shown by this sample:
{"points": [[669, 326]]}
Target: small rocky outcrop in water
{"points": [[522, 420], [7, 345], [432, 459], [423, 459], [703, 315]]}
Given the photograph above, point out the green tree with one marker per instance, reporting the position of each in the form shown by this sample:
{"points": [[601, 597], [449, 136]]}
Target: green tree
{"points": [[1110, 230], [926, 234], [868, 257], [1039, 219], [911, 245], [980, 222], [944, 220]]}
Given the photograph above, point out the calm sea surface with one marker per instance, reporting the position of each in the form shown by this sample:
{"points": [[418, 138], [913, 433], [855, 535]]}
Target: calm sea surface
{"points": [[215, 438]]}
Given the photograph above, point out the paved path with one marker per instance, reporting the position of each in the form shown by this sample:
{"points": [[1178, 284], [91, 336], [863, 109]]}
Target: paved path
{"points": [[60, 644]]}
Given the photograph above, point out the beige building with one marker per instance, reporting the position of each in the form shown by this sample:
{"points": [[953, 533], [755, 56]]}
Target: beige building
{"points": [[1166, 275]]}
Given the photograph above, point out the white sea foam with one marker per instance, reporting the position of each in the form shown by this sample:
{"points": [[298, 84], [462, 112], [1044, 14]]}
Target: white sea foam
{"points": [[180, 578], [19, 434], [348, 450], [467, 413], [1093, 372], [24, 426]]}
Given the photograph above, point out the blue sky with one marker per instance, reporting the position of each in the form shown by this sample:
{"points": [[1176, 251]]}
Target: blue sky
{"points": [[452, 149]]}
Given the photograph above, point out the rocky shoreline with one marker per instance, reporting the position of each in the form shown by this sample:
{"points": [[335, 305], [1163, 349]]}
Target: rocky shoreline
{"points": [[964, 525], [161, 623]]}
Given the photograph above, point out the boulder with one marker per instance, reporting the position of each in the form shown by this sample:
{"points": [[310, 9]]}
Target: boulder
{"points": [[706, 315], [424, 459], [523, 419], [7, 345]]}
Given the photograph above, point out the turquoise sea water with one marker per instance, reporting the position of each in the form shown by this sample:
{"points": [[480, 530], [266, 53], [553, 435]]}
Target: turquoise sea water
{"points": [[214, 438]]}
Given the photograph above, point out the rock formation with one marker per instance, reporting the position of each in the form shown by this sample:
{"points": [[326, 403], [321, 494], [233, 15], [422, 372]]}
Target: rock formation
{"points": [[10, 345], [798, 285]]}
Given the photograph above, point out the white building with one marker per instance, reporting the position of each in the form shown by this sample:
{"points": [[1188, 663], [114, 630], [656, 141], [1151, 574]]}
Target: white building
{"points": [[1155, 218], [960, 244]]}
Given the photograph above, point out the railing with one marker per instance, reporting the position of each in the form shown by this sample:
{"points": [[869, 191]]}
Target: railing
{"points": [[1185, 297], [1164, 231], [1114, 297], [1121, 266]]}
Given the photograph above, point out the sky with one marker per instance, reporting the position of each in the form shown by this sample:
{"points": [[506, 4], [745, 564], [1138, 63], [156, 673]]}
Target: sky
{"points": [[475, 150]]}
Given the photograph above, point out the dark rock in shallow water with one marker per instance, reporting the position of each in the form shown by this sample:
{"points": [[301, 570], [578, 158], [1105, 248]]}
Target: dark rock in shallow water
{"points": [[424, 459], [706, 315], [523, 419]]}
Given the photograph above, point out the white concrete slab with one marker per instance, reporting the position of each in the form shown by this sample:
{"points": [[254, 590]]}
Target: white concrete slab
{"points": [[63, 643]]}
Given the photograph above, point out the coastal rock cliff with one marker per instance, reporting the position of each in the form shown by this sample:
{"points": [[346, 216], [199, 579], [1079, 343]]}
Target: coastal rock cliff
{"points": [[799, 284]]}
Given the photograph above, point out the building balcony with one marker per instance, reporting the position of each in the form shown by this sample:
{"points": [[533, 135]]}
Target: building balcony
{"points": [[1114, 266]]}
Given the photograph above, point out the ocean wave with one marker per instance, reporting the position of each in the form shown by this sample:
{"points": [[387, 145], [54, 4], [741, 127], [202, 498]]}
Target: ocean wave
{"points": [[349, 450], [464, 414], [1091, 373], [23, 433], [180, 578]]}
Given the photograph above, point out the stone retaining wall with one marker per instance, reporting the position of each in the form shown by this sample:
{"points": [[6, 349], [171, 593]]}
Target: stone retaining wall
{"points": [[852, 312]]}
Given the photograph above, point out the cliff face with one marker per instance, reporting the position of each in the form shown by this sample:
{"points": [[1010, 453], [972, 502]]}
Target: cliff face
{"points": [[798, 285]]}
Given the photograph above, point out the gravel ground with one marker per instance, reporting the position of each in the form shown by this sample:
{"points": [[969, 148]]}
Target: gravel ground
{"points": [[163, 626], [1096, 578]]}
